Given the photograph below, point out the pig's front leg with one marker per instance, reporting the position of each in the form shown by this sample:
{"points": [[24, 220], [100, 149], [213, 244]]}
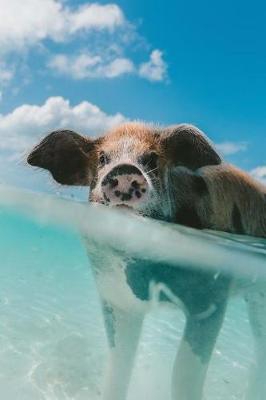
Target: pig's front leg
{"points": [[123, 331]]}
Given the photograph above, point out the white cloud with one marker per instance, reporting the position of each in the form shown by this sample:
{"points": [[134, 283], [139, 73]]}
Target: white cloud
{"points": [[95, 16], [106, 65], [28, 22], [117, 67], [229, 148], [6, 73], [259, 173], [90, 66], [155, 69], [26, 124], [32, 23]]}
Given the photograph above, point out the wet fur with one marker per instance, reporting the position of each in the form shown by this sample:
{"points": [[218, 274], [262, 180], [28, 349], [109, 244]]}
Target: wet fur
{"points": [[223, 198]]}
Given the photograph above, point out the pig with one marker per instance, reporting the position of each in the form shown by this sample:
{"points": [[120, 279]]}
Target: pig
{"points": [[176, 175]]}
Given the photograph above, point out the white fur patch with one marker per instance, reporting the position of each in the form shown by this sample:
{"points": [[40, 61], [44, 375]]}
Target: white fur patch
{"points": [[109, 270]]}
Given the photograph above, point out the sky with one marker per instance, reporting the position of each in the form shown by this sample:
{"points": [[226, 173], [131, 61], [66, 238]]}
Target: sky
{"points": [[89, 66]]}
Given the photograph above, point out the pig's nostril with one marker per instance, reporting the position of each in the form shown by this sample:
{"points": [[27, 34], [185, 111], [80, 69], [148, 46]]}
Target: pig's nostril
{"points": [[135, 184], [143, 190], [138, 194], [113, 183], [117, 193]]}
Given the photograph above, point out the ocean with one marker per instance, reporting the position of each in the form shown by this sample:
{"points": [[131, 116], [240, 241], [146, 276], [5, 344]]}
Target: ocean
{"points": [[52, 339]]}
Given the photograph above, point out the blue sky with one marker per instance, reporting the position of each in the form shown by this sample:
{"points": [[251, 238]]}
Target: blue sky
{"points": [[89, 66]]}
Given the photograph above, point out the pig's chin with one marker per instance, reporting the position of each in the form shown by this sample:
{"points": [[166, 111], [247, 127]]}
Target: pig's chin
{"points": [[131, 209], [125, 207]]}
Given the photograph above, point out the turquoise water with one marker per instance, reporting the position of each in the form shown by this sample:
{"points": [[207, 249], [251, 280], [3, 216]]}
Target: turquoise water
{"points": [[52, 339]]}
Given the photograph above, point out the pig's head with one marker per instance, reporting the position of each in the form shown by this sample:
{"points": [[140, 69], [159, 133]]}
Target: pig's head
{"points": [[127, 167]]}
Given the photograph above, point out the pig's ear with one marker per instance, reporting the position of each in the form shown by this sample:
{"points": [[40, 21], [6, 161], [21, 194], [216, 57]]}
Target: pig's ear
{"points": [[185, 145], [67, 155]]}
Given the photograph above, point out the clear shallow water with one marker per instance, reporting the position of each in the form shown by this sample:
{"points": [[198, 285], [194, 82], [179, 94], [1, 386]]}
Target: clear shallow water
{"points": [[52, 340]]}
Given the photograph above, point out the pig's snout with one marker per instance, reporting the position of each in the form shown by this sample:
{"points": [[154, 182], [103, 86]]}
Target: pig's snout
{"points": [[125, 184]]}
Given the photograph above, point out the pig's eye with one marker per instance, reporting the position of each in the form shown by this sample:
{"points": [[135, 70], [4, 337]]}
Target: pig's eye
{"points": [[149, 160], [103, 159]]}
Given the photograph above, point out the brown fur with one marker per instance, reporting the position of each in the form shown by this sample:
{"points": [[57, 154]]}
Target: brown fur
{"points": [[230, 187], [144, 138], [232, 201]]}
